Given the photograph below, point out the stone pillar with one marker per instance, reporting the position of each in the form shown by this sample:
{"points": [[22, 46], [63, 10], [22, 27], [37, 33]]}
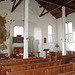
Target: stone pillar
{"points": [[25, 55], [64, 32]]}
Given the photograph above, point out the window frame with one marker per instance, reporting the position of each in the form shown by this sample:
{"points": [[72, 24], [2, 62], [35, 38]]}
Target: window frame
{"points": [[51, 34], [18, 32], [68, 34]]}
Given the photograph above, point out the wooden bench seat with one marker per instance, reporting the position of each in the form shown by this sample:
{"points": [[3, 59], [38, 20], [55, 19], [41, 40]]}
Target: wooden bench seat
{"points": [[23, 62], [65, 59], [68, 59], [68, 73], [45, 71], [55, 54], [17, 60], [73, 60], [29, 66], [70, 52], [2, 55]]}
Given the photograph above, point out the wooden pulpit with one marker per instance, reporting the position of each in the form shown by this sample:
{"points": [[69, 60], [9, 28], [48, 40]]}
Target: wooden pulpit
{"points": [[46, 51]]}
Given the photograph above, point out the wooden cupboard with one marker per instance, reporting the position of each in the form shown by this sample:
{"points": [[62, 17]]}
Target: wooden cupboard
{"points": [[18, 50]]}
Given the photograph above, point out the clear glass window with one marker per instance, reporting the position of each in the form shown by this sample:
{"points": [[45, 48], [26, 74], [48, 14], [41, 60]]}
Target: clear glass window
{"points": [[18, 30], [69, 31], [49, 33]]}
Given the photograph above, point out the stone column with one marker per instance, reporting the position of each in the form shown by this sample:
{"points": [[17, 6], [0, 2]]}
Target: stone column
{"points": [[25, 55], [64, 32]]}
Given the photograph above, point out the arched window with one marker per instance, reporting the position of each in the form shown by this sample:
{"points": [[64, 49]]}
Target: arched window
{"points": [[18, 30], [69, 31], [49, 33]]}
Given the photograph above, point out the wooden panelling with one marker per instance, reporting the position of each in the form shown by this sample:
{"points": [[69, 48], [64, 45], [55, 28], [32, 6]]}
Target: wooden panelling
{"points": [[18, 60], [2, 55], [68, 73], [18, 50], [23, 62], [45, 71], [29, 66]]}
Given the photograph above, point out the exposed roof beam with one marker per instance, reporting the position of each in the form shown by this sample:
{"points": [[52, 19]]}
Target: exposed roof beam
{"points": [[59, 0], [3, 0], [43, 5], [63, 1], [69, 1], [14, 4], [56, 13], [60, 9], [59, 13], [49, 11], [13, 8], [58, 4], [12, 0], [42, 12]]}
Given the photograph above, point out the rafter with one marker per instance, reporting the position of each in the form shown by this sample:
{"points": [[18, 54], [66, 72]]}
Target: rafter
{"points": [[59, 0], [54, 9], [58, 4], [63, 0], [41, 5], [3, 0], [42, 12], [59, 13], [15, 6], [69, 1], [49, 11], [44, 5], [12, 0], [56, 13], [60, 9]]}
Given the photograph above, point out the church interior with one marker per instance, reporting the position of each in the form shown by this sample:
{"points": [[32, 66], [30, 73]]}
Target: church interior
{"points": [[37, 37]]}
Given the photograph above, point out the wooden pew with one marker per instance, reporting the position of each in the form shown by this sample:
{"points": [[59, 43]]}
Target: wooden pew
{"points": [[70, 52], [68, 73], [17, 60], [45, 71], [29, 66], [54, 54], [38, 53], [73, 60], [23, 62], [59, 53], [65, 59], [2, 55], [68, 59]]}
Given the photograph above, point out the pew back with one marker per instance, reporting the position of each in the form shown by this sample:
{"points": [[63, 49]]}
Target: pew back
{"points": [[45, 71], [18, 60], [65, 59], [68, 73], [29, 66], [23, 62], [73, 60]]}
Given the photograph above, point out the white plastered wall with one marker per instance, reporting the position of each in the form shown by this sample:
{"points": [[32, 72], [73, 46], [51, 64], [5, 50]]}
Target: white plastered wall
{"points": [[41, 26], [69, 18], [38, 26]]}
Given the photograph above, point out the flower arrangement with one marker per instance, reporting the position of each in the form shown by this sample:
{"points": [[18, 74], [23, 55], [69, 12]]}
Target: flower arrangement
{"points": [[57, 45]]}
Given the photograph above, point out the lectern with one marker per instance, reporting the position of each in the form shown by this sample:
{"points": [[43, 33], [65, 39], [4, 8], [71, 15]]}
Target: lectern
{"points": [[46, 51]]}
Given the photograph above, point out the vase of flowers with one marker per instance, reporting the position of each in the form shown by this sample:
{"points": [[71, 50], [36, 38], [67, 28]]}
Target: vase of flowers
{"points": [[57, 46]]}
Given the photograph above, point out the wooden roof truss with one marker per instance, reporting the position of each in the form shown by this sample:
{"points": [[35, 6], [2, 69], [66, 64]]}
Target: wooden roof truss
{"points": [[53, 6]]}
